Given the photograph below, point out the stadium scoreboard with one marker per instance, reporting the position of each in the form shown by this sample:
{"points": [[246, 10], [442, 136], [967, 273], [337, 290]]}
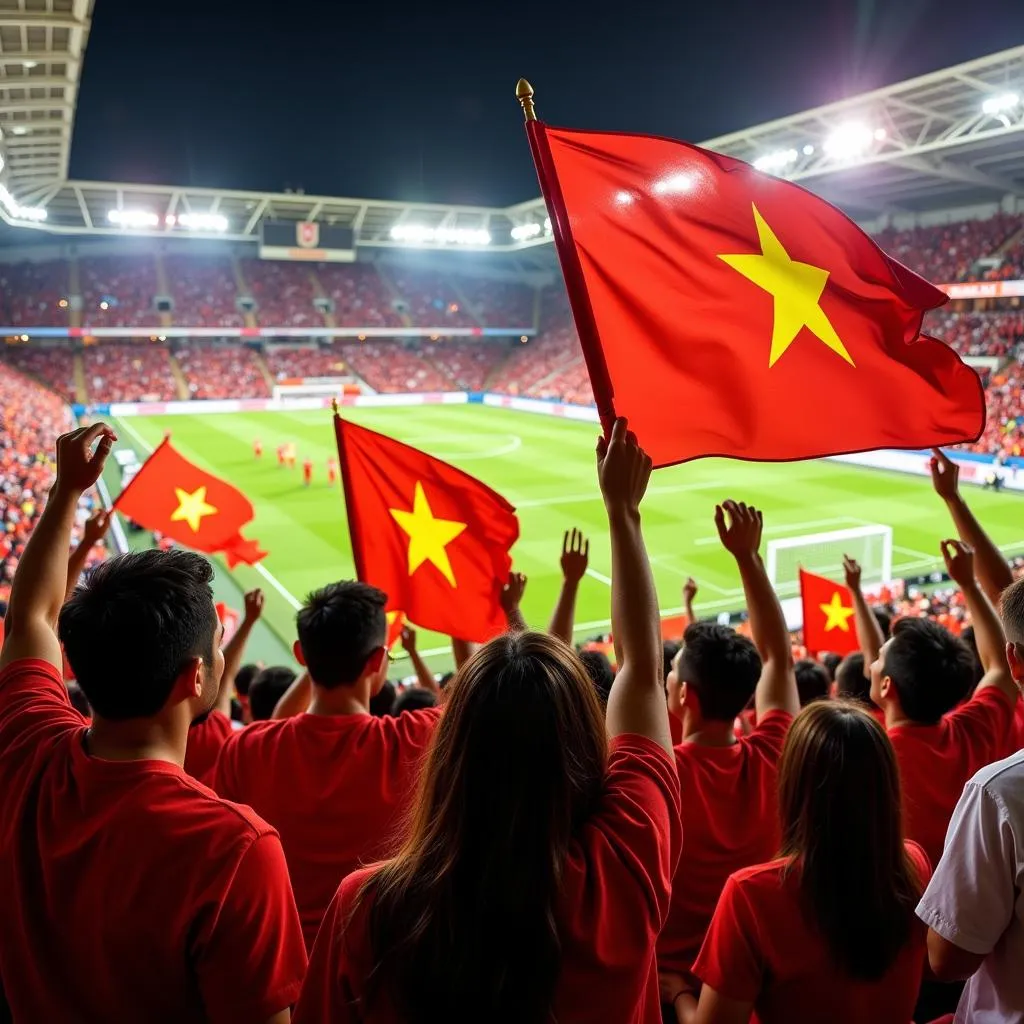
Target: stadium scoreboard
{"points": [[307, 240]]}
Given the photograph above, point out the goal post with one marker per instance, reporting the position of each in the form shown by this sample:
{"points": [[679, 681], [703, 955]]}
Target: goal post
{"points": [[822, 553]]}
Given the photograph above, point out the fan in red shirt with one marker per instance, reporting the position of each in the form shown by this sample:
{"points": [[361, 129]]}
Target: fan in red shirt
{"points": [[727, 785], [130, 891], [307, 472], [536, 874], [827, 932], [336, 781], [332, 471]]}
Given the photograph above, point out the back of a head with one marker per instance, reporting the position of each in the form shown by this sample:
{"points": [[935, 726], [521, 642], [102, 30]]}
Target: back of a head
{"points": [[602, 675], [884, 620], [382, 703], [1011, 611], [839, 803], [133, 625], [669, 650], [244, 677], [722, 666], [463, 919], [414, 698], [931, 669], [267, 689], [812, 681], [830, 662], [339, 627], [851, 683]]}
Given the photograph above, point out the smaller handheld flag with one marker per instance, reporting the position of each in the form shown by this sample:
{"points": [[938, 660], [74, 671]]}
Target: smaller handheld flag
{"points": [[433, 538], [191, 506], [828, 615]]}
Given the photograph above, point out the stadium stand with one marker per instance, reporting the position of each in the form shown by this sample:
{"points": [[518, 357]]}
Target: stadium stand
{"points": [[53, 365], [498, 303], [990, 333], [222, 371], [31, 293], [297, 361], [430, 299], [129, 372], [391, 367], [119, 291], [204, 291], [360, 296], [470, 364], [283, 292]]}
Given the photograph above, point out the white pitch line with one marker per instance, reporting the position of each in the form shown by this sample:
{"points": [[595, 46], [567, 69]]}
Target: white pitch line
{"points": [[595, 495], [599, 576], [769, 531], [915, 553]]}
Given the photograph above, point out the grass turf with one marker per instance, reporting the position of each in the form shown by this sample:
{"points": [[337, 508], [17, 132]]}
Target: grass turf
{"points": [[545, 466]]}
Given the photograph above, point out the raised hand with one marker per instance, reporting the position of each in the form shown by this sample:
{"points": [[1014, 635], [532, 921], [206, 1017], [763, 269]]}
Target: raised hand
{"points": [[851, 567], [408, 639], [689, 590], [575, 555], [623, 468], [945, 475], [512, 592], [78, 465], [253, 605], [740, 533], [959, 558], [95, 528]]}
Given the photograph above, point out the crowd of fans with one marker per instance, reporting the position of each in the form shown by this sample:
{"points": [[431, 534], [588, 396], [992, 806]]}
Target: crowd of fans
{"points": [[204, 291], [297, 361], [53, 365], [129, 372], [119, 291], [31, 293], [222, 371], [390, 367], [468, 365], [283, 293]]}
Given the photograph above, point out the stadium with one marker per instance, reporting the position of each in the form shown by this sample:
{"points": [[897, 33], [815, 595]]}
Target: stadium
{"points": [[339, 400]]}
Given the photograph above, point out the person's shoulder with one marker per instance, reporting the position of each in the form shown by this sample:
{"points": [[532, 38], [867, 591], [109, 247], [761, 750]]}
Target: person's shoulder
{"points": [[186, 799], [410, 724], [32, 671], [258, 734], [1002, 778], [768, 874]]}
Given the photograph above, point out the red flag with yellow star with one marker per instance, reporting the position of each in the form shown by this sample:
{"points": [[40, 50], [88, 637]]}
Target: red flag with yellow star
{"points": [[828, 615], [189, 505], [435, 539], [728, 312]]}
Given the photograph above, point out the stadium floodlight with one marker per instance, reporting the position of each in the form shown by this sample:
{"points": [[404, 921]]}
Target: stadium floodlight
{"points": [[522, 232], [808, 150], [547, 225], [851, 140], [19, 129], [30, 64], [16, 210], [133, 218], [419, 234], [203, 221], [1000, 104], [776, 161]]}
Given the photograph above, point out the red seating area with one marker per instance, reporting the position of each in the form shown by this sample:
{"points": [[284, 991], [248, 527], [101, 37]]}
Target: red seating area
{"points": [[391, 367], [204, 291], [283, 292], [53, 365], [129, 372], [293, 361], [1004, 428], [126, 284], [31, 293], [994, 333], [430, 298], [470, 364], [222, 371], [498, 303], [361, 299]]}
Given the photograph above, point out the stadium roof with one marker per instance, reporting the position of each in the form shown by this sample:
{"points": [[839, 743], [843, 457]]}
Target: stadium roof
{"points": [[947, 139]]}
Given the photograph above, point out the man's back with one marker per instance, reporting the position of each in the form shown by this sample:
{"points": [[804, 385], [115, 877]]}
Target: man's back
{"points": [[130, 891], [334, 786]]}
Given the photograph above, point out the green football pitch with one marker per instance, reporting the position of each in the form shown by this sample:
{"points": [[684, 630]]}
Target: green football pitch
{"points": [[545, 466]]}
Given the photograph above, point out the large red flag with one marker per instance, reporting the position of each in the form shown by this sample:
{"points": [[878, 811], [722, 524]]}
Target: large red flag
{"points": [[728, 312], [829, 623], [191, 506], [435, 539]]}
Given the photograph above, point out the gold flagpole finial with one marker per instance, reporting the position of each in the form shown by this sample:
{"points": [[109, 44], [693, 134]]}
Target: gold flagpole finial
{"points": [[335, 408], [524, 93]]}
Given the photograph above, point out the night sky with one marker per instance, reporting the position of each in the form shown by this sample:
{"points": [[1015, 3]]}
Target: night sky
{"points": [[405, 100]]}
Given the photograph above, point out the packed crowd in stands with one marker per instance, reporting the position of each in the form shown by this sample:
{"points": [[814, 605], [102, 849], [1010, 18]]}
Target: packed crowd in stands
{"points": [[204, 291], [468, 365], [360, 297], [430, 299], [283, 293], [296, 361], [119, 291], [391, 367], [53, 365], [222, 371], [31, 293], [129, 372], [498, 303]]}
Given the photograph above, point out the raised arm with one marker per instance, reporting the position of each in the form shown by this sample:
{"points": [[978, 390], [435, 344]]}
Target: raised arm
{"points": [[869, 632], [988, 630], [992, 569], [739, 527], [689, 593], [30, 629], [575, 553], [462, 651], [296, 699], [424, 677], [234, 650], [636, 703], [511, 595], [95, 530]]}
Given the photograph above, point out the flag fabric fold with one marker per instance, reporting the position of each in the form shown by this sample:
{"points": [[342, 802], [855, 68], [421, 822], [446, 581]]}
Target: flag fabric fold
{"points": [[190, 506], [829, 616], [431, 536], [728, 312]]}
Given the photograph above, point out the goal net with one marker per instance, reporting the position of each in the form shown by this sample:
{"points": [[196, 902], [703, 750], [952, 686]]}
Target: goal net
{"points": [[822, 553]]}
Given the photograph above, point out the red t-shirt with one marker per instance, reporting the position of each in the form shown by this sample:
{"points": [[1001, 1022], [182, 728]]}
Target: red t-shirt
{"points": [[1017, 732], [130, 891], [762, 948], [334, 786], [614, 898], [937, 760], [205, 738], [730, 811]]}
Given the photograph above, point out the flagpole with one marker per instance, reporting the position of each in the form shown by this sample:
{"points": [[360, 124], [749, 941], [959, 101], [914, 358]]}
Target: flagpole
{"points": [[568, 258], [353, 527]]}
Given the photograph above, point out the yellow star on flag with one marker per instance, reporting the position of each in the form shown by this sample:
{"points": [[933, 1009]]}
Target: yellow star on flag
{"points": [[837, 615], [429, 537], [192, 507], [795, 288]]}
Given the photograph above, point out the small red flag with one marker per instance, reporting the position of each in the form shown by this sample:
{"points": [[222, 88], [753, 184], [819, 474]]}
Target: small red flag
{"points": [[829, 623], [435, 539], [728, 312], [189, 505]]}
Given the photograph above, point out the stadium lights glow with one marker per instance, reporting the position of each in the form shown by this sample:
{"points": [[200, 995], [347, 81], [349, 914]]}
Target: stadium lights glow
{"points": [[19, 129], [547, 225], [674, 183], [30, 64], [133, 218], [522, 232], [1000, 104], [851, 140], [777, 160], [203, 221], [16, 210], [808, 150], [420, 233]]}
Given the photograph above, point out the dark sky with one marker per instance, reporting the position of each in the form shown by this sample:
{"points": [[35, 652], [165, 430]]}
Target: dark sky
{"points": [[400, 100]]}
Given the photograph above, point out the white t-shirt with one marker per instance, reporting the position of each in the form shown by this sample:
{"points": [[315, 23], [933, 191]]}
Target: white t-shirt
{"points": [[976, 896]]}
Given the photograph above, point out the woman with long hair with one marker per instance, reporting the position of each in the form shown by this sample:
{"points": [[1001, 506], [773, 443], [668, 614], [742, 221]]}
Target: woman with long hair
{"points": [[827, 932], [536, 873]]}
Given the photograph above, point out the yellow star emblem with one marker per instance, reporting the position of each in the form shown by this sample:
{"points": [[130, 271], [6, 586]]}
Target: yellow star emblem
{"points": [[192, 508], [837, 615], [795, 288], [428, 537]]}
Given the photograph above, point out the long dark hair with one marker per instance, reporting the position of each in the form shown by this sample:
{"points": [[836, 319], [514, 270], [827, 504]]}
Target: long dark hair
{"points": [[839, 800], [463, 920]]}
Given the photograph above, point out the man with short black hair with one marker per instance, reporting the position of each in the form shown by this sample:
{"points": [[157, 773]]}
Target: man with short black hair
{"points": [[130, 891], [341, 777], [601, 673], [812, 682], [269, 686]]}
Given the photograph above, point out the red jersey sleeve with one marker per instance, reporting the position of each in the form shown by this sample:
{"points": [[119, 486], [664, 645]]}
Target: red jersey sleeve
{"points": [[730, 960], [981, 728], [34, 707], [769, 734], [223, 776], [254, 934]]}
